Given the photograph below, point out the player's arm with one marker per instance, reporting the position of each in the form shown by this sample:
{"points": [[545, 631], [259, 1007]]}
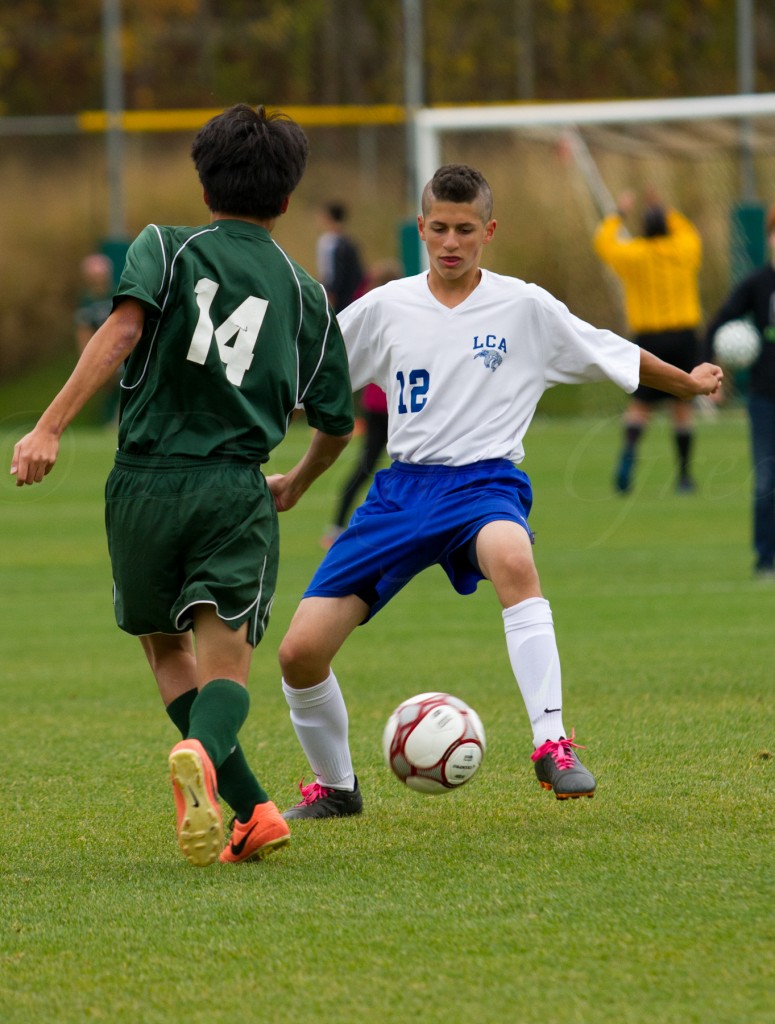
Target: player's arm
{"points": [[36, 453], [614, 246], [323, 451], [704, 379], [607, 235]]}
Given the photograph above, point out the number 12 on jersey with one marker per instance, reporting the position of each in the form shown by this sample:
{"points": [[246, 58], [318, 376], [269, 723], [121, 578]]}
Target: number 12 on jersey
{"points": [[416, 393]]}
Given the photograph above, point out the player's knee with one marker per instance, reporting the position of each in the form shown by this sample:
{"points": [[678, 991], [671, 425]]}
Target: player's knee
{"points": [[287, 653], [519, 567], [299, 659]]}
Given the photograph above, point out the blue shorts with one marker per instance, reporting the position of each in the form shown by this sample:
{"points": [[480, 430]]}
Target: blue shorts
{"points": [[417, 516]]}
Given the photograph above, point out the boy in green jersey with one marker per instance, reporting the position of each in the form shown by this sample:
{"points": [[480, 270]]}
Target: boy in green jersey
{"points": [[222, 336]]}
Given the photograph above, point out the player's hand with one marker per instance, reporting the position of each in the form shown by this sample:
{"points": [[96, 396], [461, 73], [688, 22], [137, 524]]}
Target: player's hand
{"points": [[34, 457], [280, 486], [708, 378], [625, 202]]}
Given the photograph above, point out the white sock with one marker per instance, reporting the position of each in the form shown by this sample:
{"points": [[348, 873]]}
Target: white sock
{"points": [[535, 662], [319, 716]]}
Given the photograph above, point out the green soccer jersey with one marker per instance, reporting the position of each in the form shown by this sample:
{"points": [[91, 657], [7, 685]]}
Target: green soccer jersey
{"points": [[236, 336]]}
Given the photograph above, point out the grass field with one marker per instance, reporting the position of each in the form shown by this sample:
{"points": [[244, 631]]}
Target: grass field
{"points": [[651, 903]]}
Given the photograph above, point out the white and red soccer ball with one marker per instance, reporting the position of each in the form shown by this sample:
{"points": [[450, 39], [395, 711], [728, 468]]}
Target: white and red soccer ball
{"points": [[434, 742]]}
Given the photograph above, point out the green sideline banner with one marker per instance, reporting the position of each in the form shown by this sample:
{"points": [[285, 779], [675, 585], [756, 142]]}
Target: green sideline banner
{"points": [[409, 246], [116, 249]]}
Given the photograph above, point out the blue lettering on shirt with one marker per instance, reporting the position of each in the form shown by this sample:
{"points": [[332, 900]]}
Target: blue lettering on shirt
{"points": [[490, 341]]}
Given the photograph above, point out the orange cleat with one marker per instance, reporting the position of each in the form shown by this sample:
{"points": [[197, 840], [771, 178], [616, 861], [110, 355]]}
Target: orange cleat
{"points": [[200, 823], [266, 832]]}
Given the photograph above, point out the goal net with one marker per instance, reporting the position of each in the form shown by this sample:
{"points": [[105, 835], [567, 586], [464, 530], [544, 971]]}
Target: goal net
{"points": [[556, 169]]}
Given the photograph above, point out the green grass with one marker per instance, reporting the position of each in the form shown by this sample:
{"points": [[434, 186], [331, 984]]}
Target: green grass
{"points": [[651, 903], [24, 398]]}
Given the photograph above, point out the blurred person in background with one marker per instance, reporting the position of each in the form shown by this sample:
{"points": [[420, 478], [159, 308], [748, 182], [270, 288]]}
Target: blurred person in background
{"points": [[754, 298], [94, 306], [659, 272], [374, 417], [339, 263]]}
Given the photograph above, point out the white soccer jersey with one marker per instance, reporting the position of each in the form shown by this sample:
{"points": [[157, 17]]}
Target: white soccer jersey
{"points": [[463, 384]]}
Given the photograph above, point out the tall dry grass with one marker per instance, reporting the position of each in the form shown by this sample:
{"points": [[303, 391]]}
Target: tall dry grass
{"points": [[54, 202], [54, 210]]}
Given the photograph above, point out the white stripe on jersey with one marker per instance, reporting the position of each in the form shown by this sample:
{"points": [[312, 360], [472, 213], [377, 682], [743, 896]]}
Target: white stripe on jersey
{"points": [[463, 384], [163, 304], [300, 397]]}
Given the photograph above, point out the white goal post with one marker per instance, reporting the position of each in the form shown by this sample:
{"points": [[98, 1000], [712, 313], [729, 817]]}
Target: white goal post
{"points": [[555, 169], [559, 165], [431, 123]]}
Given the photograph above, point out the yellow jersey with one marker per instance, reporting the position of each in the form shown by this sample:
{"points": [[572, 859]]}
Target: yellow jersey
{"points": [[659, 274]]}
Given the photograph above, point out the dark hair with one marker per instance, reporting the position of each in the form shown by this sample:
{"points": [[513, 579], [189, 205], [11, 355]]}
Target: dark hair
{"points": [[337, 212], [458, 183], [654, 222], [249, 161]]}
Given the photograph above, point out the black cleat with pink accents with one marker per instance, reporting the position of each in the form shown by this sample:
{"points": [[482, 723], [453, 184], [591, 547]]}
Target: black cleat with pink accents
{"points": [[323, 802], [558, 768]]}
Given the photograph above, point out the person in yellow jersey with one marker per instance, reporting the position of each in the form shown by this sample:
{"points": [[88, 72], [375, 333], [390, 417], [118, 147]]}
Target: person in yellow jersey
{"points": [[659, 270]]}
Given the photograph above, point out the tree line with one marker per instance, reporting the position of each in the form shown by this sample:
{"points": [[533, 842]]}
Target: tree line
{"points": [[209, 53]]}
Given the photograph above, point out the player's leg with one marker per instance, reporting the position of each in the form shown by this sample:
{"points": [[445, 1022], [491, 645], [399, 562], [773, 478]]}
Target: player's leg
{"points": [[683, 435], [396, 533], [231, 562], [376, 440], [317, 631], [505, 556], [173, 661], [145, 590], [237, 785], [357, 478], [318, 711], [223, 657], [636, 419], [209, 757], [372, 447], [149, 603]]}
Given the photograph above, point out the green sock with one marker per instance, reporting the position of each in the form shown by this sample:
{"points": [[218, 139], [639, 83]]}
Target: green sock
{"points": [[237, 784], [179, 710], [217, 715]]}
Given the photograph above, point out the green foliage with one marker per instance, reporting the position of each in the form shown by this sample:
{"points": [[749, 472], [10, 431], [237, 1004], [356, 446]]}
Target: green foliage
{"points": [[345, 51], [493, 904]]}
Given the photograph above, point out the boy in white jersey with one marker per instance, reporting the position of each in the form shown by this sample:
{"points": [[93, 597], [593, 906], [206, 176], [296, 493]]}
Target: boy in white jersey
{"points": [[464, 356]]}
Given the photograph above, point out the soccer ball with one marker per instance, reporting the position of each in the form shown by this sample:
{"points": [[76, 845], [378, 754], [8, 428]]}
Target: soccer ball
{"points": [[434, 742], [737, 344]]}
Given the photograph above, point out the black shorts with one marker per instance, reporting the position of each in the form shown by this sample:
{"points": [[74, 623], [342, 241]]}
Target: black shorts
{"points": [[680, 348]]}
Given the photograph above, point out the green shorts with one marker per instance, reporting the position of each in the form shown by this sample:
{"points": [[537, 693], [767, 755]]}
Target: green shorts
{"points": [[183, 532]]}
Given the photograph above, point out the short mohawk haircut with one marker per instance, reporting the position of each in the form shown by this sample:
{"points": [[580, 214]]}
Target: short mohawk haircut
{"points": [[458, 183]]}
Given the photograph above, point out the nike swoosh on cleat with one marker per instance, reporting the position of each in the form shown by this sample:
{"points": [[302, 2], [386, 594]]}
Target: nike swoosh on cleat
{"points": [[237, 848], [193, 796]]}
